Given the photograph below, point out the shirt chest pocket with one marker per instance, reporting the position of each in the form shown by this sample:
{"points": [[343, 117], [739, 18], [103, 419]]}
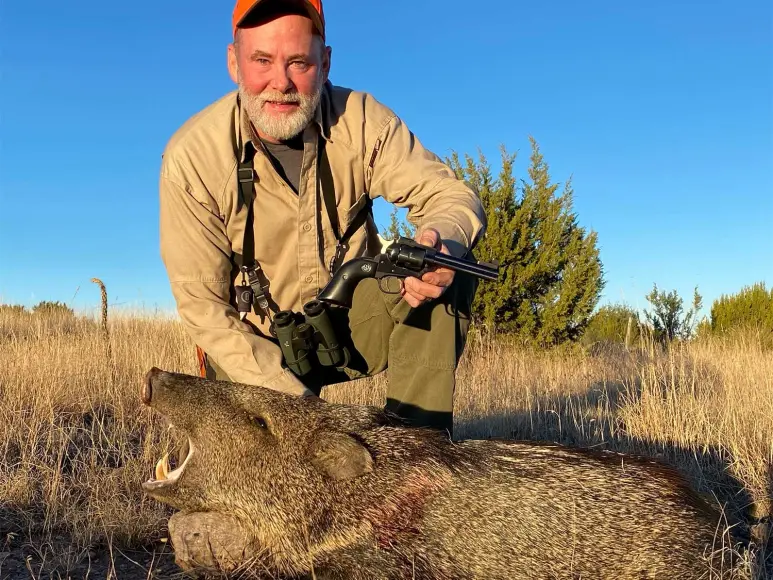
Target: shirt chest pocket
{"points": [[353, 204], [348, 181], [354, 216]]}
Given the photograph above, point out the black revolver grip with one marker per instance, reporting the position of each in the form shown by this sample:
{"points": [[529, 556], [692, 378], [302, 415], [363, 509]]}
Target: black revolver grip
{"points": [[340, 289]]}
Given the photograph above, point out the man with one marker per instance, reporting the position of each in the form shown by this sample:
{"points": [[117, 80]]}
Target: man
{"points": [[306, 140]]}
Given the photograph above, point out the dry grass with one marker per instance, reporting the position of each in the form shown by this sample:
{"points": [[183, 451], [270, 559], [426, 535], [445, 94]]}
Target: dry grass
{"points": [[75, 443]]}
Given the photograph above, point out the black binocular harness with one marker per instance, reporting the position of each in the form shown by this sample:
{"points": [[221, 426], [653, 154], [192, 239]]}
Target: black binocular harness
{"points": [[299, 335]]}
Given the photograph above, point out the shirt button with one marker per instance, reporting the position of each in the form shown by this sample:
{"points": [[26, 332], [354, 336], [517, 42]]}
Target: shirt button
{"points": [[306, 227], [309, 279]]}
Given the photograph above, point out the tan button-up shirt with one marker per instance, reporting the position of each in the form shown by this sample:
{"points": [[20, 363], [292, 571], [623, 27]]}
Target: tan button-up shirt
{"points": [[371, 152]]}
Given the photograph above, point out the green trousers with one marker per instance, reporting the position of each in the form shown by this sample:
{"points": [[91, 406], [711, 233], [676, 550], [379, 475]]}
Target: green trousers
{"points": [[419, 348]]}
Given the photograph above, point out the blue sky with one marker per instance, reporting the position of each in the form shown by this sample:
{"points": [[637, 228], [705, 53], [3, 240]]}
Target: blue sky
{"points": [[661, 112]]}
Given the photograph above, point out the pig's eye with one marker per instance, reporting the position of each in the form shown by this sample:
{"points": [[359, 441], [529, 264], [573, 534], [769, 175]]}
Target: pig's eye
{"points": [[258, 421]]}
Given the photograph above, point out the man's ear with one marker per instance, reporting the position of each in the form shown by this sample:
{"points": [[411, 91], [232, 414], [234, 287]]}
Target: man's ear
{"points": [[233, 65], [340, 456], [326, 60]]}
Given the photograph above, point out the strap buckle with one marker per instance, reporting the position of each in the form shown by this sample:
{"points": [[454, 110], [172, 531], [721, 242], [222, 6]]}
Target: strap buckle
{"points": [[245, 174], [258, 289], [335, 262]]}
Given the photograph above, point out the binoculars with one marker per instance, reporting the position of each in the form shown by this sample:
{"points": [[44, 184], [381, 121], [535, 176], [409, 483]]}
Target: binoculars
{"points": [[303, 338]]}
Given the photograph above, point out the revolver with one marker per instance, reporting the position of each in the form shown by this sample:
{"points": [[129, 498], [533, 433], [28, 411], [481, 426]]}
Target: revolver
{"points": [[403, 258]]}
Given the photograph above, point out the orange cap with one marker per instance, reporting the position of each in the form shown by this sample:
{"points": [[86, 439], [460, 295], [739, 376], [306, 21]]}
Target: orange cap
{"points": [[313, 7]]}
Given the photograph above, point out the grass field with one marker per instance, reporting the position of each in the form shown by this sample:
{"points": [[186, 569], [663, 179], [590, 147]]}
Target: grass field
{"points": [[75, 444]]}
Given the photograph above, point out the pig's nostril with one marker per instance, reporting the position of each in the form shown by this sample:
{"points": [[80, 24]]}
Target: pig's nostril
{"points": [[146, 393]]}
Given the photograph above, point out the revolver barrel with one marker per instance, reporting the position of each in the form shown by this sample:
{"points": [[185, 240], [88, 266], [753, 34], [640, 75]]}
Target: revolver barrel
{"points": [[479, 269], [410, 254]]}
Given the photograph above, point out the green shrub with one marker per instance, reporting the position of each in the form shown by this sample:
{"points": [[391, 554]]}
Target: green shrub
{"points": [[550, 272], [613, 323], [751, 307], [57, 308], [13, 309], [667, 320]]}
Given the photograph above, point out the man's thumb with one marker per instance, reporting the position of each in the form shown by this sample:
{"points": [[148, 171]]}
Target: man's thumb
{"points": [[429, 238]]}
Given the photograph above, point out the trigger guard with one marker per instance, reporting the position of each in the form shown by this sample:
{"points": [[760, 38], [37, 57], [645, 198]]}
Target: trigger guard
{"points": [[386, 290]]}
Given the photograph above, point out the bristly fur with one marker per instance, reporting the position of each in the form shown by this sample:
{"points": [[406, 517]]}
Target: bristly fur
{"points": [[354, 493]]}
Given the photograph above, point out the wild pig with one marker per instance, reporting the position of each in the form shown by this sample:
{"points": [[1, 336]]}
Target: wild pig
{"points": [[351, 493]]}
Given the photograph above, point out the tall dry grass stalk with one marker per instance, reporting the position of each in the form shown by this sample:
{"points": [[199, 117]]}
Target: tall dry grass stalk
{"points": [[103, 303], [75, 442], [105, 328]]}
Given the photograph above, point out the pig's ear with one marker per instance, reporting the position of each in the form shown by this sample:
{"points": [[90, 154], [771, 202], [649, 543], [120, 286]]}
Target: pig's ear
{"points": [[340, 456]]}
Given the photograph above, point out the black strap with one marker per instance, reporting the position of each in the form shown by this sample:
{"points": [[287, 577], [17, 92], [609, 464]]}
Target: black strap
{"points": [[246, 260], [328, 189], [328, 194], [245, 174], [249, 266]]}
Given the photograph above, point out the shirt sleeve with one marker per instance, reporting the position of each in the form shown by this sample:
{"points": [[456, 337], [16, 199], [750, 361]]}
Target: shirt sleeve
{"points": [[197, 255], [405, 173]]}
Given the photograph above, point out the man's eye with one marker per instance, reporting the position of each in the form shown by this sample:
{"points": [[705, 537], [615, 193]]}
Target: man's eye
{"points": [[263, 61], [300, 64]]}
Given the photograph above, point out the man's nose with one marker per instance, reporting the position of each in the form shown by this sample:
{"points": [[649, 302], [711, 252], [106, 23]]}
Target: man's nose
{"points": [[280, 80]]}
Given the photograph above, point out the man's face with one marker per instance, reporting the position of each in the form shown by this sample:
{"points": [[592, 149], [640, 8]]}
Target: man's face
{"points": [[280, 67]]}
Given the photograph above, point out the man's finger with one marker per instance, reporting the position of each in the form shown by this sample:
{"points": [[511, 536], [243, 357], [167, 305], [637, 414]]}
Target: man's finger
{"points": [[411, 292], [423, 289], [411, 297], [412, 300], [439, 277], [410, 287]]}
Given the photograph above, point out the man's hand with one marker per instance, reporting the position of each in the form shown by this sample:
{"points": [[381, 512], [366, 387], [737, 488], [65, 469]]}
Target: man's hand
{"points": [[432, 284]]}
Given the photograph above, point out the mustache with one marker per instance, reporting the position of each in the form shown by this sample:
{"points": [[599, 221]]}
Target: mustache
{"points": [[276, 97]]}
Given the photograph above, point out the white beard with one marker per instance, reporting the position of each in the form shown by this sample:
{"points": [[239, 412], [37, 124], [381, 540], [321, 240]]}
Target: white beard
{"points": [[281, 126]]}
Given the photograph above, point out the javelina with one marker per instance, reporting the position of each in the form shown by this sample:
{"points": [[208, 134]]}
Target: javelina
{"points": [[354, 494]]}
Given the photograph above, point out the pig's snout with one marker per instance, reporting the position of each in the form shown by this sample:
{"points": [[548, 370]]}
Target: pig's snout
{"points": [[146, 393]]}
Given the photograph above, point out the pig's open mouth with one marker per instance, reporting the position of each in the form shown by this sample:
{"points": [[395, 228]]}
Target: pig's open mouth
{"points": [[163, 477]]}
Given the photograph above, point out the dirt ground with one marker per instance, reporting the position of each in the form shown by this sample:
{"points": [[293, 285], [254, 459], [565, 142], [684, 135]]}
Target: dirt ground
{"points": [[48, 559]]}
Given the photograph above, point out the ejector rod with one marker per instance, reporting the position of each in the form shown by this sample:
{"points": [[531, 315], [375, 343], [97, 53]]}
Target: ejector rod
{"points": [[487, 271]]}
